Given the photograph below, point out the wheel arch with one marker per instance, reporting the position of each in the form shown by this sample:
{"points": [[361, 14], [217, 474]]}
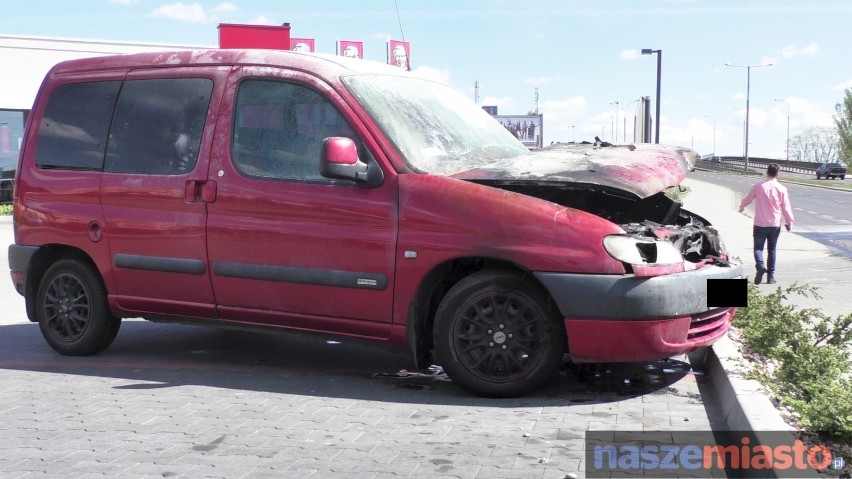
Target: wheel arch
{"points": [[432, 290], [40, 262]]}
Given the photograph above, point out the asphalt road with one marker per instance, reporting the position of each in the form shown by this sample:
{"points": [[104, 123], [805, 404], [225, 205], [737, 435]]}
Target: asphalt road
{"points": [[822, 214]]}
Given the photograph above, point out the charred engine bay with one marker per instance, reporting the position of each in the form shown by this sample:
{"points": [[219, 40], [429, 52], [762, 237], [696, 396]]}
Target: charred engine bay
{"points": [[654, 217]]}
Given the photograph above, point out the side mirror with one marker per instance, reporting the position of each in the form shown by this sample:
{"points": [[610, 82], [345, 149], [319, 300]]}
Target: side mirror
{"points": [[339, 160]]}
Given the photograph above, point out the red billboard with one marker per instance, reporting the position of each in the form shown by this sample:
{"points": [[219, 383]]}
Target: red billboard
{"points": [[254, 36], [350, 48], [303, 45], [399, 54]]}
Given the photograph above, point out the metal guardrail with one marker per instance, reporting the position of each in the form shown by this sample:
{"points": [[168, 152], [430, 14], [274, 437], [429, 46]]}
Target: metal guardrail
{"points": [[792, 166]]}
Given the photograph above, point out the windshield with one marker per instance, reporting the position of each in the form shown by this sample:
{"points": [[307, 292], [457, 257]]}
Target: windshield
{"points": [[434, 127]]}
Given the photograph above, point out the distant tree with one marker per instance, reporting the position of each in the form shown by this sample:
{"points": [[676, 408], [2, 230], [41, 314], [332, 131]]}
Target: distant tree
{"points": [[817, 145], [843, 121]]}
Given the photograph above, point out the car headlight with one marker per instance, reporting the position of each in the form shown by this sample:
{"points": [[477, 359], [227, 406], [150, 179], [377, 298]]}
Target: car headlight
{"points": [[636, 251]]}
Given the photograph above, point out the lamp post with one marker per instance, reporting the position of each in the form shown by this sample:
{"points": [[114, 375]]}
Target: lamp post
{"points": [[648, 51], [714, 132], [787, 150], [748, 94], [615, 137]]}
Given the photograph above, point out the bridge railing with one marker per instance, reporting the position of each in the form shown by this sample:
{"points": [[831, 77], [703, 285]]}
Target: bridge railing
{"points": [[756, 163]]}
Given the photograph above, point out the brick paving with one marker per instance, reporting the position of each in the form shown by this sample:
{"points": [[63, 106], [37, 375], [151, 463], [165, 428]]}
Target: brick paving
{"points": [[181, 401]]}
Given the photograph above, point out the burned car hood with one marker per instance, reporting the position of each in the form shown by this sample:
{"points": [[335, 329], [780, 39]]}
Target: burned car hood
{"points": [[641, 169]]}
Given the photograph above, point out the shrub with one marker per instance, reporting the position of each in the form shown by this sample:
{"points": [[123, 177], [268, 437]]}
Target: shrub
{"points": [[812, 355]]}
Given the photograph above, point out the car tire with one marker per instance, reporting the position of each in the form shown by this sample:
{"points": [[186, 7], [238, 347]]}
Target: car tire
{"points": [[497, 334], [72, 311]]}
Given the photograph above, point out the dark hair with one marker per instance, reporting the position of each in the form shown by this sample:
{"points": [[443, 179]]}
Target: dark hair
{"points": [[772, 170]]}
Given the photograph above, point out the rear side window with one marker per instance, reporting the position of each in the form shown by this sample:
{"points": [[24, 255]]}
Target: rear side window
{"points": [[158, 125], [73, 131], [279, 128]]}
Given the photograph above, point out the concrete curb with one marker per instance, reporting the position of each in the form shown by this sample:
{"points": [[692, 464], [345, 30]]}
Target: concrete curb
{"points": [[746, 406], [742, 401]]}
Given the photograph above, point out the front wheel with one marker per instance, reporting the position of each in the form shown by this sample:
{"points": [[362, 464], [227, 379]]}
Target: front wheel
{"points": [[498, 335], [72, 310]]}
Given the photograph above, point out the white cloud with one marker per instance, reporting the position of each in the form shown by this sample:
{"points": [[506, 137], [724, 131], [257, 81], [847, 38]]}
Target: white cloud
{"points": [[261, 20], [791, 51], [434, 74], [843, 86], [506, 105], [631, 54], [225, 8], [193, 12], [808, 51], [562, 110]]}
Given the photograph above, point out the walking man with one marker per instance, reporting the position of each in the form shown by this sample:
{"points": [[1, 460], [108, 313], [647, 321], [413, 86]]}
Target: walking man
{"points": [[771, 202]]}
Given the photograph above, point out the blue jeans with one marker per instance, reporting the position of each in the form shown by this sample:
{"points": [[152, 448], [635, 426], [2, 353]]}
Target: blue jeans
{"points": [[762, 235]]}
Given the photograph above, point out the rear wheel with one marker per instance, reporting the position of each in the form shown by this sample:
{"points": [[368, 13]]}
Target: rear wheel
{"points": [[72, 311], [498, 335]]}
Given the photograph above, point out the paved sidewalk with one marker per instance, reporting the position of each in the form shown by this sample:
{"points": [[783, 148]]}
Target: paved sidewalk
{"points": [[190, 402], [178, 401], [743, 403], [799, 259]]}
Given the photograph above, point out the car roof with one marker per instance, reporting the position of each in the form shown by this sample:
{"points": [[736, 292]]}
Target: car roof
{"points": [[321, 64]]}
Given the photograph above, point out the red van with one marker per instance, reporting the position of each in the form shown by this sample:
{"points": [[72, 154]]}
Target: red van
{"points": [[290, 191]]}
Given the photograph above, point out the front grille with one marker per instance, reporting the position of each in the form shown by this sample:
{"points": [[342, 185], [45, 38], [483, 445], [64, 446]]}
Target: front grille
{"points": [[709, 323]]}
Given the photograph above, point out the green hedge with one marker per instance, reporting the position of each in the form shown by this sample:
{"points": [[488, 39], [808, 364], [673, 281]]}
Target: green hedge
{"points": [[811, 352]]}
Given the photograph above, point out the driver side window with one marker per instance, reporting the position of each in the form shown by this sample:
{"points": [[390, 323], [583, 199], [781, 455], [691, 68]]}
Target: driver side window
{"points": [[279, 129]]}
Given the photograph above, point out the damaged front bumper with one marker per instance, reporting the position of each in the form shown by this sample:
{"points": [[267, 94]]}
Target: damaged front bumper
{"points": [[625, 318]]}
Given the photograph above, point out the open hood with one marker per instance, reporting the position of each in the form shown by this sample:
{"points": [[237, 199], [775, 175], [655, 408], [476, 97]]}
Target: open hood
{"points": [[642, 169]]}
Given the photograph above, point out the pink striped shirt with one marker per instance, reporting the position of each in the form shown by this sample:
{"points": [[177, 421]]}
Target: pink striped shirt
{"points": [[771, 202]]}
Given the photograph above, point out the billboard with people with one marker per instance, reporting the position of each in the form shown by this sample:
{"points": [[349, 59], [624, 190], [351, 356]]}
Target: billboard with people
{"points": [[527, 128]]}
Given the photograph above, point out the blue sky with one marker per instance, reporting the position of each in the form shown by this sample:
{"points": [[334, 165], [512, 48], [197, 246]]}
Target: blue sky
{"points": [[582, 56]]}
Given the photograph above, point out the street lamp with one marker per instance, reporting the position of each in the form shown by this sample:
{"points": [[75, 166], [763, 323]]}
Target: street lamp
{"points": [[714, 132], [788, 128], [648, 51], [748, 94], [615, 139]]}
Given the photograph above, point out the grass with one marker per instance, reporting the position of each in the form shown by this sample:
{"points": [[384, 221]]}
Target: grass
{"points": [[6, 210]]}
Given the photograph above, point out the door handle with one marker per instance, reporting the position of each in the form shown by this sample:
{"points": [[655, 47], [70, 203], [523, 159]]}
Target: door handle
{"points": [[200, 191]]}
